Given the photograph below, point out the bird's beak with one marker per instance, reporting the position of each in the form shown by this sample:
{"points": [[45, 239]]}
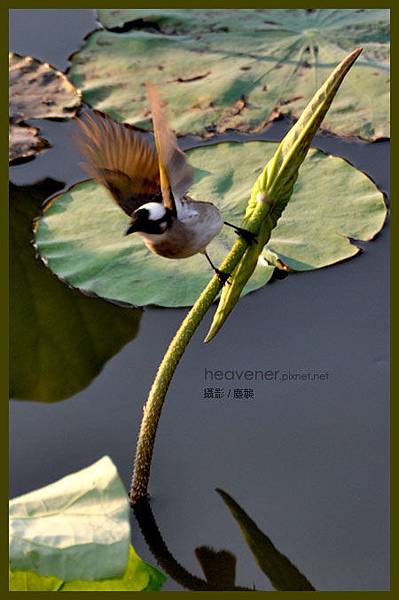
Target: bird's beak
{"points": [[132, 228]]}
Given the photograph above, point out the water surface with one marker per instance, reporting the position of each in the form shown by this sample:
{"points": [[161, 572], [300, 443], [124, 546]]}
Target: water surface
{"points": [[308, 460]]}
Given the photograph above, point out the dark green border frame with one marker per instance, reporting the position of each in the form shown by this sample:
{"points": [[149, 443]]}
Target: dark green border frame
{"points": [[393, 5]]}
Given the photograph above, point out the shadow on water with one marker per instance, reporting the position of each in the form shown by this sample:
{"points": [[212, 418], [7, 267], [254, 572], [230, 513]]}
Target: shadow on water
{"points": [[219, 566], [60, 338]]}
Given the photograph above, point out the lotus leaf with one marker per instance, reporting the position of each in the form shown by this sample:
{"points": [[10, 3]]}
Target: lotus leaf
{"points": [[221, 69], [139, 576], [81, 232], [38, 91], [75, 528], [24, 143]]}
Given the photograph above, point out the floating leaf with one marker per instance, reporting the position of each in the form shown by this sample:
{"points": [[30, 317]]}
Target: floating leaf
{"points": [[24, 143], [75, 528], [221, 69], [139, 576], [283, 574], [38, 91], [313, 231], [60, 339]]}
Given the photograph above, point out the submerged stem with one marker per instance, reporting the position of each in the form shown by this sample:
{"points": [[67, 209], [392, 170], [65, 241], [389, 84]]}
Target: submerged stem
{"points": [[156, 397]]}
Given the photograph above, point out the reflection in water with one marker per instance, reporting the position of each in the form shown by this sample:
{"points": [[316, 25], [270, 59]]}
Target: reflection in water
{"points": [[283, 575], [60, 338], [166, 560], [219, 567]]}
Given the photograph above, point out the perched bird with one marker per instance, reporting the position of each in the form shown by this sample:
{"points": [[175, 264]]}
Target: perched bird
{"points": [[150, 183]]}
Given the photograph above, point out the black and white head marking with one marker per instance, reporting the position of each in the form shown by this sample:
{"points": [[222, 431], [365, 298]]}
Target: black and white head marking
{"points": [[156, 211], [152, 217]]}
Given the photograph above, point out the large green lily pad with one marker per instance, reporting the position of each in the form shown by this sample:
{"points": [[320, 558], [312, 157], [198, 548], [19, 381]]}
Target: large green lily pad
{"points": [[81, 233], [59, 338], [237, 68]]}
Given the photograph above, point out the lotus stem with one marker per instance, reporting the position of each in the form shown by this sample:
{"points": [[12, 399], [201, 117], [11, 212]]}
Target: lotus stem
{"points": [[153, 407]]}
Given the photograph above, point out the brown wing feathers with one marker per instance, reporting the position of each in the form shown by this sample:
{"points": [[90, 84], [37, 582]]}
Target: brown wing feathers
{"points": [[128, 165], [175, 172], [120, 158]]}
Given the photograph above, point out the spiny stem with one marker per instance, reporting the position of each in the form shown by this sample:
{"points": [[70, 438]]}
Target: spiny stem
{"points": [[156, 397]]}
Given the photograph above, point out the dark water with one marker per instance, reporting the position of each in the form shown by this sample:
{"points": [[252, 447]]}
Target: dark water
{"points": [[308, 461]]}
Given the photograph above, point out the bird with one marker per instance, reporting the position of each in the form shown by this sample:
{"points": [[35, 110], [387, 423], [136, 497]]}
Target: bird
{"points": [[149, 180]]}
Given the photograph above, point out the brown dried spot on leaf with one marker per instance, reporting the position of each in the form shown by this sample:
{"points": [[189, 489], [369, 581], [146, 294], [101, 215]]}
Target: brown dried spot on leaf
{"points": [[193, 78], [228, 121], [286, 101]]}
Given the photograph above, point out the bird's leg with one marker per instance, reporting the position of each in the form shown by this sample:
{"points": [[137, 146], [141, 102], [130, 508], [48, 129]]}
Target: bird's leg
{"points": [[247, 235], [223, 277]]}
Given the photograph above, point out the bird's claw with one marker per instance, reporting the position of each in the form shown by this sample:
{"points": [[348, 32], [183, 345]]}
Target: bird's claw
{"points": [[247, 235], [222, 276]]}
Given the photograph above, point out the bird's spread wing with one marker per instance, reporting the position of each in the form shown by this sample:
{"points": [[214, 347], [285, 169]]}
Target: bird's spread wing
{"points": [[175, 173], [120, 158]]}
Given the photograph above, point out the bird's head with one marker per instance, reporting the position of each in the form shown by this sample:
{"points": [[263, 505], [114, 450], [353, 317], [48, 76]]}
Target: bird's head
{"points": [[152, 217]]}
